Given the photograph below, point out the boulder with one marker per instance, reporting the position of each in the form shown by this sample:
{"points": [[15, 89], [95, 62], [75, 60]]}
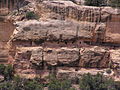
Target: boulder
{"points": [[22, 57], [94, 57], [50, 56], [37, 56], [62, 56], [26, 56], [68, 56]]}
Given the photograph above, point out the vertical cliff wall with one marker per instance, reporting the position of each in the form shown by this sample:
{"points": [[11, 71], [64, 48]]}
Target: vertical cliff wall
{"points": [[12, 4], [63, 46]]}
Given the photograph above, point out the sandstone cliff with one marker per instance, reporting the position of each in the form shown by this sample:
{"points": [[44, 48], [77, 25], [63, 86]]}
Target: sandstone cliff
{"points": [[68, 40]]}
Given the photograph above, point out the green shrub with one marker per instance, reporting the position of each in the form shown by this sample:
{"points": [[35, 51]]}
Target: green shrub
{"points": [[8, 85], [94, 2], [2, 69], [96, 82], [87, 82], [117, 85], [56, 84], [31, 15], [18, 83], [114, 3], [8, 72], [26, 84], [33, 85], [21, 84]]}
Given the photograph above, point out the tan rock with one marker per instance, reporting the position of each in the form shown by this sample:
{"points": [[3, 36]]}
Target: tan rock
{"points": [[50, 56], [72, 74], [68, 73], [52, 30], [95, 57], [79, 12], [37, 56], [62, 56], [67, 56], [115, 58]]}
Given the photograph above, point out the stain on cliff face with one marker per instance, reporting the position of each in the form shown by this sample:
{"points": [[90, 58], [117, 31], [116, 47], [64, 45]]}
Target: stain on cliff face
{"points": [[112, 32]]}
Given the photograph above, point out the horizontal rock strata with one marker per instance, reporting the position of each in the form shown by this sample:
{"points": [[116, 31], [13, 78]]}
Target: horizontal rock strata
{"points": [[32, 33], [35, 60]]}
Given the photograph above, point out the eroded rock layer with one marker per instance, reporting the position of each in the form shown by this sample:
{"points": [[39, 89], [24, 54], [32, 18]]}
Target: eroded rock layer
{"points": [[52, 60], [97, 15]]}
